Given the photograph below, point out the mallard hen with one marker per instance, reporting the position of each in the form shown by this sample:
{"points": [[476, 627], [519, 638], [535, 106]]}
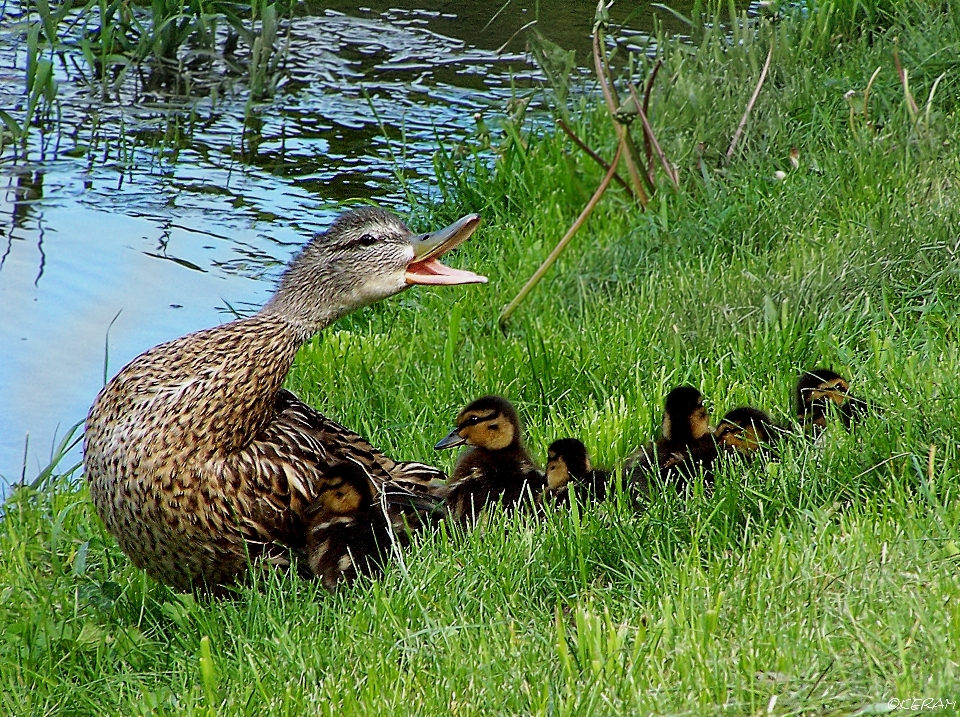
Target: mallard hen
{"points": [[496, 467], [199, 463]]}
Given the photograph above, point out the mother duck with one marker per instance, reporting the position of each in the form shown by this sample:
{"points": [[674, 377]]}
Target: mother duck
{"points": [[199, 463]]}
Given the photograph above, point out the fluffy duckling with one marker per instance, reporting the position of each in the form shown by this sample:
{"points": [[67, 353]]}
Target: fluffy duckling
{"points": [[746, 432], [568, 463], [349, 531], [496, 467], [685, 446], [815, 391]]}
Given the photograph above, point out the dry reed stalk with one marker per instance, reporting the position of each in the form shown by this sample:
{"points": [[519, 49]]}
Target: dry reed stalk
{"points": [[562, 244], [753, 98], [648, 150], [623, 133], [594, 156], [650, 137]]}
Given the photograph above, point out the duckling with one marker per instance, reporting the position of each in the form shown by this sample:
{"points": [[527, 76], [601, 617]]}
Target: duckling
{"points": [[746, 432], [496, 468], [685, 445], [199, 462], [816, 389], [568, 463], [347, 534]]}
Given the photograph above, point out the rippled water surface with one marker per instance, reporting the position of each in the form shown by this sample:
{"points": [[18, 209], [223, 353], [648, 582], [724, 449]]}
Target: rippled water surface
{"points": [[101, 233]]}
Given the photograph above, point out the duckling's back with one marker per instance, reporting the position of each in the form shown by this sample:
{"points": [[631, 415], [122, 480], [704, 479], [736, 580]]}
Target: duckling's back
{"points": [[483, 477]]}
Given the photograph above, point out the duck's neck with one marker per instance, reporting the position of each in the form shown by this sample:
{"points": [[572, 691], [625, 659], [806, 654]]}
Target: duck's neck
{"points": [[305, 316], [310, 298]]}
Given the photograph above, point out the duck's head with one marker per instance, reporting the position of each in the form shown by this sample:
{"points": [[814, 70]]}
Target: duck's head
{"points": [[685, 418], [565, 458], [490, 423], [366, 255], [346, 491], [815, 388], [744, 430]]}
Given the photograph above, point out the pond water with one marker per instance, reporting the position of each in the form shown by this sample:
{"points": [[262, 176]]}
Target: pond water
{"points": [[109, 246]]}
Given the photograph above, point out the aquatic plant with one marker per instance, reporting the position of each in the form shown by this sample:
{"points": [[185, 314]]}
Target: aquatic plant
{"points": [[40, 92]]}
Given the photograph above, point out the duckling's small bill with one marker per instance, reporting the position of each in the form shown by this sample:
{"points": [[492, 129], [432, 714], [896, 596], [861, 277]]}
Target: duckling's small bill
{"points": [[427, 248], [451, 440]]}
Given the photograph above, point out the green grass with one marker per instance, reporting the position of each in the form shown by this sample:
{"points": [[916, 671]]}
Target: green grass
{"points": [[829, 580]]}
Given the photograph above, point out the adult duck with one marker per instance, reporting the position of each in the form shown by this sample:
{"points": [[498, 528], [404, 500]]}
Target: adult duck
{"points": [[200, 464]]}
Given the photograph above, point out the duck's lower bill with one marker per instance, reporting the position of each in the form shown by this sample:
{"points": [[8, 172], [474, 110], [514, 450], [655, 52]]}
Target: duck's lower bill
{"points": [[432, 271]]}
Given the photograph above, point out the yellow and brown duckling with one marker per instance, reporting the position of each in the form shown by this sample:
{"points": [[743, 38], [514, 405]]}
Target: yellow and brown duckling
{"points": [[568, 465], [354, 525], [199, 462], [496, 467], [816, 390], [348, 533], [685, 447], [747, 432]]}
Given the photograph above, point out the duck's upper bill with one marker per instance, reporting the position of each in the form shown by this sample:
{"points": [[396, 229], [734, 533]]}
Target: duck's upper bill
{"points": [[426, 267]]}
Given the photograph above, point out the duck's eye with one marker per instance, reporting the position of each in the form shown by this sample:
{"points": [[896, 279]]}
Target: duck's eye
{"points": [[366, 239]]}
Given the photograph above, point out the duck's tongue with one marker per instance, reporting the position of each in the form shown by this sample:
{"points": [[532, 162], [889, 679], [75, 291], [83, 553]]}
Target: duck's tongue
{"points": [[426, 267]]}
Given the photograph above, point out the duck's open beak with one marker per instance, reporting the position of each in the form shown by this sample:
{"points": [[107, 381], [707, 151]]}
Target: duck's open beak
{"points": [[452, 440], [427, 248]]}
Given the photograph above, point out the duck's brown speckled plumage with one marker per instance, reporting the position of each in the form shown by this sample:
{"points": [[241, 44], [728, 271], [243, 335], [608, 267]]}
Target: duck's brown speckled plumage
{"points": [[200, 463]]}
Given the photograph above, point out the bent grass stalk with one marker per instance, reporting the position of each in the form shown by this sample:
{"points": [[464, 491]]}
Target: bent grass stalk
{"points": [[746, 113]]}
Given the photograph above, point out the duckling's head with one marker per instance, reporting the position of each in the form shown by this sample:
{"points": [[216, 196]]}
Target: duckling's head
{"points": [[565, 458], [744, 430], [490, 423], [815, 388], [347, 491], [366, 255], [685, 417]]}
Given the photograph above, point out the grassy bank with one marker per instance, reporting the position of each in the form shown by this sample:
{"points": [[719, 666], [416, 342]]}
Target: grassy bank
{"points": [[825, 584]]}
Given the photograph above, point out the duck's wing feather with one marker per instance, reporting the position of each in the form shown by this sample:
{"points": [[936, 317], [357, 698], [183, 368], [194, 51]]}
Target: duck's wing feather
{"points": [[329, 432], [289, 465]]}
